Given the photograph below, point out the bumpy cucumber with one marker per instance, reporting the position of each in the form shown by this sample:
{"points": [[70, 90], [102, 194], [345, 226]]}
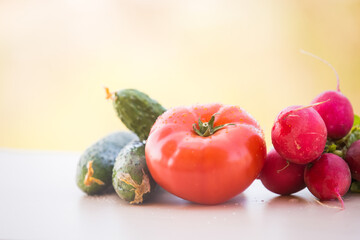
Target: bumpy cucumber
{"points": [[137, 111], [94, 170], [131, 178]]}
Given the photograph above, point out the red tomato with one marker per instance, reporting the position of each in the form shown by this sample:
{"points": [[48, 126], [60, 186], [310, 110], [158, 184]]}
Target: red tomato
{"points": [[207, 170]]}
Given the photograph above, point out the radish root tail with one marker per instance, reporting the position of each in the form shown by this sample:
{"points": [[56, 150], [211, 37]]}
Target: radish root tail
{"points": [[328, 206], [286, 166], [301, 108], [327, 63], [338, 196]]}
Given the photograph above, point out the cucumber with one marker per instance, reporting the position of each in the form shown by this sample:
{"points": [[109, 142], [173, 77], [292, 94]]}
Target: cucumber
{"points": [[131, 178], [137, 111], [94, 169]]}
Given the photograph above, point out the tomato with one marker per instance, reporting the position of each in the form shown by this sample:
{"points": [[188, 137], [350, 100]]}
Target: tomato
{"points": [[207, 169]]}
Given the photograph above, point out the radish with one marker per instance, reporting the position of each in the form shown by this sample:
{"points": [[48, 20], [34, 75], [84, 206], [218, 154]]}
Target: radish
{"points": [[353, 159], [337, 113], [328, 177], [280, 176], [299, 134]]}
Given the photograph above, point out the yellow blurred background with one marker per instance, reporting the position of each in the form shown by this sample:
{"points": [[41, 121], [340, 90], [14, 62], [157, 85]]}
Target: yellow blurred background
{"points": [[56, 56]]}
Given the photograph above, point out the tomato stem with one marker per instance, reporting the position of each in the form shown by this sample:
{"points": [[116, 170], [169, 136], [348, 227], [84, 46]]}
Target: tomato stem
{"points": [[207, 128]]}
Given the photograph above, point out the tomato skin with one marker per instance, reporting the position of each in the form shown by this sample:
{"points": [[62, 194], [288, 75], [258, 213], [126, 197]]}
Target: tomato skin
{"points": [[206, 170]]}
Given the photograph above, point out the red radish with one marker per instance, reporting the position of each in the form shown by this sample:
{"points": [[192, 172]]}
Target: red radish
{"points": [[299, 134], [280, 176], [353, 159], [328, 177], [337, 113]]}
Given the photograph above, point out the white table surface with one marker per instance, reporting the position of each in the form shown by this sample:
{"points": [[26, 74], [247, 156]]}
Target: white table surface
{"points": [[40, 200]]}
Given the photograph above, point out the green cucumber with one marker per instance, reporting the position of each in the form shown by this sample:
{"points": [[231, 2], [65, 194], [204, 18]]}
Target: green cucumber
{"points": [[137, 111], [131, 178], [94, 169]]}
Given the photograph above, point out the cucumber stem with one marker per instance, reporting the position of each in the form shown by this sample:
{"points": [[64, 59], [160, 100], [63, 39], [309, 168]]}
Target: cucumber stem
{"points": [[109, 95], [89, 179], [207, 128], [140, 189]]}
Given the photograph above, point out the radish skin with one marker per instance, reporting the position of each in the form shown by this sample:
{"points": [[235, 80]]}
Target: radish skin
{"points": [[353, 159], [299, 134], [280, 176], [337, 113], [328, 177]]}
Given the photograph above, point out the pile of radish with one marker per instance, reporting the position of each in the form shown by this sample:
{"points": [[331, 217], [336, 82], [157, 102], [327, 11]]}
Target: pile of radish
{"points": [[315, 146]]}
